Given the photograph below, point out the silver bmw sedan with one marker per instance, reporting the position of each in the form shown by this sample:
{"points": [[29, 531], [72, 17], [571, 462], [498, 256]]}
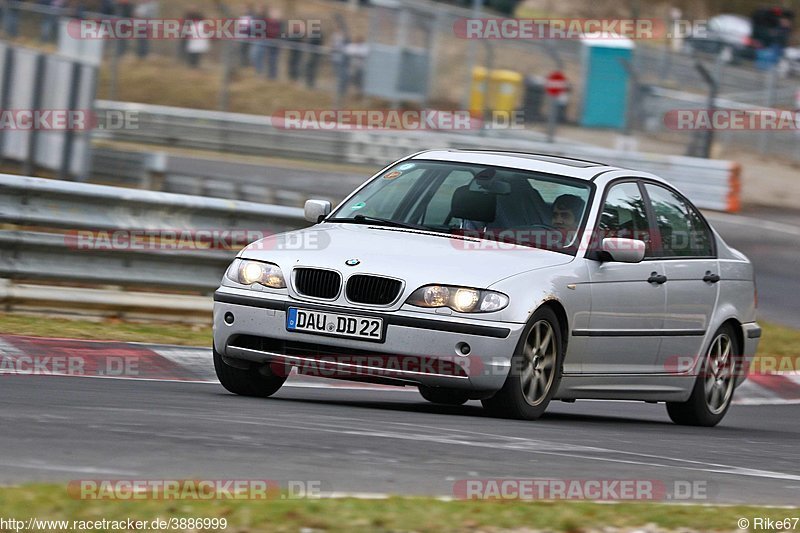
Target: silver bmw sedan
{"points": [[510, 278]]}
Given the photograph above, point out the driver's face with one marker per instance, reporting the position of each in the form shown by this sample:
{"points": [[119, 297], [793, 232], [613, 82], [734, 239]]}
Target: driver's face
{"points": [[564, 220]]}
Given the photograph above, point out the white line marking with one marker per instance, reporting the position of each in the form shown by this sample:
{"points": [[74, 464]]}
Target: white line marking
{"points": [[65, 468]]}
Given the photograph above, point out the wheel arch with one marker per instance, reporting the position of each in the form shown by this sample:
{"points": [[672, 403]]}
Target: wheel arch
{"points": [[563, 321]]}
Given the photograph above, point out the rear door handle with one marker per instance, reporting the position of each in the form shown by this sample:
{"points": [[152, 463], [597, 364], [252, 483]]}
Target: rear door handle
{"points": [[657, 278], [711, 278]]}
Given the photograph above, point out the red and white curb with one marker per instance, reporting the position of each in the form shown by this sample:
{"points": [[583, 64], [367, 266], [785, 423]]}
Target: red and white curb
{"points": [[122, 360], [129, 360]]}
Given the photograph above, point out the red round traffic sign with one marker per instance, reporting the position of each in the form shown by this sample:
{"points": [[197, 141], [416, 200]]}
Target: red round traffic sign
{"points": [[556, 83]]}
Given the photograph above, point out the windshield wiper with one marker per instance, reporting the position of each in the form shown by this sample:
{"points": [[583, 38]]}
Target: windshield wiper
{"points": [[362, 219]]}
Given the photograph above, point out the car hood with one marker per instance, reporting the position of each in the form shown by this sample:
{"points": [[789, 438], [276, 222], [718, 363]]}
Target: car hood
{"points": [[418, 257]]}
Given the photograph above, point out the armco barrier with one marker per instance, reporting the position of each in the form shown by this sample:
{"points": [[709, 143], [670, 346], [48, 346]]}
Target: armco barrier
{"points": [[710, 184], [48, 213]]}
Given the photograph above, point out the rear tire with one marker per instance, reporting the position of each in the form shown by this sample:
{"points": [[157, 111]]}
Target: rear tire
{"points": [[535, 373], [443, 396], [257, 381], [713, 390]]}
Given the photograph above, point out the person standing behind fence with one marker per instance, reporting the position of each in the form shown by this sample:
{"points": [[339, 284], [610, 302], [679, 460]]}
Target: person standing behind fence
{"points": [[147, 10], [295, 38], [124, 10], [314, 40], [357, 52], [340, 59], [108, 7], [10, 20], [197, 44], [258, 46], [50, 19], [274, 36], [247, 30]]}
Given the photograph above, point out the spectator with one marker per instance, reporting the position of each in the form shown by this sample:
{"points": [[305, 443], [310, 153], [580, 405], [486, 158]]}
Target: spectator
{"points": [[79, 9], [197, 44], [10, 20], [147, 10], [296, 42], [340, 60], [314, 40], [108, 7], [50, 19], [124, 10], [274, 34], [246, 26], [357, 53], [258, 48]]}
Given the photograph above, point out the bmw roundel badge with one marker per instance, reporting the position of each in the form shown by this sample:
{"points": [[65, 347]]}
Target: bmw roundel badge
{"points": [[353, 262]]}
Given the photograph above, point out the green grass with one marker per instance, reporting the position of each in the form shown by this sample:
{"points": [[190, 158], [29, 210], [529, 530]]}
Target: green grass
{"points": [[394, 514], [779, 348], [36, 326]]}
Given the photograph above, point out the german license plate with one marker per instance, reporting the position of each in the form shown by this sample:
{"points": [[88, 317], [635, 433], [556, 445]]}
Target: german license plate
{"points": [[334, 324]]}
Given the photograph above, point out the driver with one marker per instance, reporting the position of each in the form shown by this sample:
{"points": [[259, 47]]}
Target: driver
{"points": [[567, 211]]}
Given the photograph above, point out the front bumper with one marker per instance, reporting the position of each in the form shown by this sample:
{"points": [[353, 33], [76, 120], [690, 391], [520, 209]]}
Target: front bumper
{"points": [[409, 336]]}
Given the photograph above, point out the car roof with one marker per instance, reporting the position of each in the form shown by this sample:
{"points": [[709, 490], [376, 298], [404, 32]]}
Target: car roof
{"points": [[547, 163]]}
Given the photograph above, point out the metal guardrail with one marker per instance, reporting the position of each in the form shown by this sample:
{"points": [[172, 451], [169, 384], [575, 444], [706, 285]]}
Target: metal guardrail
{"points": [[711, 184], [53, 217]]}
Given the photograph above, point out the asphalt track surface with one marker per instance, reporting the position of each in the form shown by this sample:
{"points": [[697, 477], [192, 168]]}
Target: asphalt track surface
{"points": [[771, 240], [366, 441]]}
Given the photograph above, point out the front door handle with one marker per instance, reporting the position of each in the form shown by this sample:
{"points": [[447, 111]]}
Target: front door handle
{"points": [[711, 278], [657, 278]]}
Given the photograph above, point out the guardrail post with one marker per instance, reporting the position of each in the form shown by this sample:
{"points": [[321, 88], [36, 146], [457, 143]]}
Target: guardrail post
{"points": [[701, 147], [69, 133], [38, 92], [5, 93]]}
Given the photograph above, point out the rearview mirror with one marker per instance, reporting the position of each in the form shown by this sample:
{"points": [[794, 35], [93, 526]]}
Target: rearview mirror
{"points": [[316, 210], [623, 250]]}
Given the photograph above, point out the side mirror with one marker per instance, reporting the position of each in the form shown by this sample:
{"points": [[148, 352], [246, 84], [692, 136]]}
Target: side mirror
{"points": [[316, 210], [623, 250]]}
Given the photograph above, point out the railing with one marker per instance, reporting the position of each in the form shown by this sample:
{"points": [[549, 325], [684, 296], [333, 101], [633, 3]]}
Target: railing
{"points": [[72, 234], [711, 184]]}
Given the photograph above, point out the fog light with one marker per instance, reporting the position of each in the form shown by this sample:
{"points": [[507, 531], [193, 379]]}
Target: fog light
{"points": [[462, 348], [229, 318]]}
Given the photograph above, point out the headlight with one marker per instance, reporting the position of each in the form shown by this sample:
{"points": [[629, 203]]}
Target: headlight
{"points": [[461, 299], [248, 272]]}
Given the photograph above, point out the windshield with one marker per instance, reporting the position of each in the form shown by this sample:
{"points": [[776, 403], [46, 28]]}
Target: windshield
{"points": [[515, 206]]}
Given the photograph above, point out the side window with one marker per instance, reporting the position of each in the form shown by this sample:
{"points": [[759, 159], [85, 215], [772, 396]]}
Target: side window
{"points": [[683, 232], [624, 215]]}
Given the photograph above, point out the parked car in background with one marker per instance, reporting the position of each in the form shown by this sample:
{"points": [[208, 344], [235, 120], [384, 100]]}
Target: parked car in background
{"points": [[729, 36]]}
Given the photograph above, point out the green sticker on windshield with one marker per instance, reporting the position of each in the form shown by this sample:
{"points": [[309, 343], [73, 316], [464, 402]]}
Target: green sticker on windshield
{"points": [[359, 205]]}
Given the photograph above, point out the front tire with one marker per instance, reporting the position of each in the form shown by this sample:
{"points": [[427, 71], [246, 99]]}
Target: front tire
{"points": [[713, 390], [535, 373], [443, 396], [258, 382]]}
